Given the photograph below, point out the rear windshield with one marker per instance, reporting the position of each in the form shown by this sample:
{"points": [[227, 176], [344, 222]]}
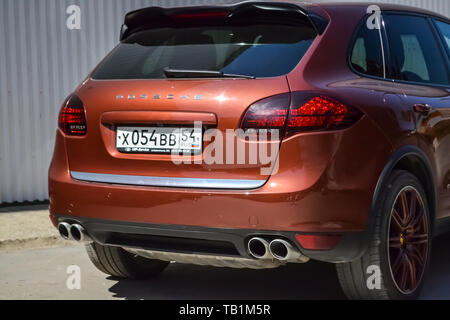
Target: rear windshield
{"points": [[260, 50]]}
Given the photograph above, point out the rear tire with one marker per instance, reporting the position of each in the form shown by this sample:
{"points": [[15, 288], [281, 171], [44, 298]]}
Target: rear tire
{"points": [[399, 248], [120, 263]]}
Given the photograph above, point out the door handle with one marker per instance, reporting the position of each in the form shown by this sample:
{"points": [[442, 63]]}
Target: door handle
{"points": [[422, 108]]}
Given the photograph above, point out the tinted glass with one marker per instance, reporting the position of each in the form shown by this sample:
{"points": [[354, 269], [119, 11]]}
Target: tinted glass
{"points": [[415, 53], [255, 50], [367, 55], [444, 29]]}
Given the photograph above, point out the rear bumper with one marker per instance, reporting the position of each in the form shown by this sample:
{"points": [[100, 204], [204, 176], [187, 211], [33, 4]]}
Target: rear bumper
{"points": [[321, 188], [304, 211], [203, 240]]}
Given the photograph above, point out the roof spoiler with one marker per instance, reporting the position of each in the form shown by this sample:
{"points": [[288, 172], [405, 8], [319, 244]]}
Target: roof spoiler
{"points": [[157, 16]]}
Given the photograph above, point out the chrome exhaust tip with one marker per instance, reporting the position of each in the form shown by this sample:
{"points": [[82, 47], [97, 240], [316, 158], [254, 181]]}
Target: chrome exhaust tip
{"points": [[64, 230], [259, 248], [79, 234], [284, 251]]}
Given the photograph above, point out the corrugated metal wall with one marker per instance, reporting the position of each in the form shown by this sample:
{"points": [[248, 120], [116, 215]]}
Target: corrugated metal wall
{"points": [[41, 62]]}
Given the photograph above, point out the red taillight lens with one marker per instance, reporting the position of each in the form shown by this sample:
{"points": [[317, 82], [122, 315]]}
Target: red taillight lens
{"points": [[319, 113], [72, 117], [307, 112], [318, 242], [269, 113]]}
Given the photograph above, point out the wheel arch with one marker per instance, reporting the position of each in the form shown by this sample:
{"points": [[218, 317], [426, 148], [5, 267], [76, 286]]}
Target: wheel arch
{"points": [[412, 159]]}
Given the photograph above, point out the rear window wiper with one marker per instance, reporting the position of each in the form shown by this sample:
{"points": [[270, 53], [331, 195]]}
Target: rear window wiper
{"points": [[181, 73]]}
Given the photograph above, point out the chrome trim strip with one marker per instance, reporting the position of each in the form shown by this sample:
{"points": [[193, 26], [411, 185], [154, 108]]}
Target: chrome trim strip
{"points": [[168, 181]]}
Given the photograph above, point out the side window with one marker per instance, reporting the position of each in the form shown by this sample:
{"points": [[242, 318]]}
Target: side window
{"points": [[444, 29], [415, 53], [367, 57]]}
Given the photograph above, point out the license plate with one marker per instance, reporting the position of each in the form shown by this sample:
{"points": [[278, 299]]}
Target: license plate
{"points": [[158, 140]]}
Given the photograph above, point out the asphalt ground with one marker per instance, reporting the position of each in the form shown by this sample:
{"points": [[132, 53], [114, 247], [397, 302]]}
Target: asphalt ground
{"points": [[34, 264]]}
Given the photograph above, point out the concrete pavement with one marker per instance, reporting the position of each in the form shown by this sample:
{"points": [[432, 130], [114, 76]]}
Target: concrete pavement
{"points": [[27, 227]]}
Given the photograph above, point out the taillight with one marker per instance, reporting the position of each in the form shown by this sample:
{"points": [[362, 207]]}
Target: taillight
{"points": [[269, 113], [310, 112], [307, 112], [72, 117]]}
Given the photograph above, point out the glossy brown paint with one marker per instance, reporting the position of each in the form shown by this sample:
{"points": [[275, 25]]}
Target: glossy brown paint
{"points": [[230, 99], [433, 134], [325, 182], [388, 103]]}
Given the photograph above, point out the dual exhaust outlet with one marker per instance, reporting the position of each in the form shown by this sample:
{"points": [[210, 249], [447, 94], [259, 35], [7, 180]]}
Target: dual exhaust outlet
{"points": [[279, 249], [73, 232], [258, 247]]}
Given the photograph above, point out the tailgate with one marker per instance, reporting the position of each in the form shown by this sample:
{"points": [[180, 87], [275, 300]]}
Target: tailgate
{"points": [[222, 104]]}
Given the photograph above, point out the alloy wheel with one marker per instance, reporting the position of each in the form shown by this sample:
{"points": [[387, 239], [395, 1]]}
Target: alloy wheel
{"points": [[408, 240]]}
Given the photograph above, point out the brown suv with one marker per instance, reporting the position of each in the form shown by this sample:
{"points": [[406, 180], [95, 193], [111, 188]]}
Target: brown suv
{"points": [[259, 134]]}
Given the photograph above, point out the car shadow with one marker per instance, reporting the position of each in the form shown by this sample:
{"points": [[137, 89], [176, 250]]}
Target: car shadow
{"points": [[437, 281], [182, 281], [312, 280], [24, 206]]}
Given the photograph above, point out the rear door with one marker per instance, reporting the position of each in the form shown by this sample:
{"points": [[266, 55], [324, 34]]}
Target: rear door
{"points": [[443, 28], [420, 69]]}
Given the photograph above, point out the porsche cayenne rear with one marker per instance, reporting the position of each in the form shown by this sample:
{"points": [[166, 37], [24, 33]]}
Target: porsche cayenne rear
{"points": [[259, 134]]}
